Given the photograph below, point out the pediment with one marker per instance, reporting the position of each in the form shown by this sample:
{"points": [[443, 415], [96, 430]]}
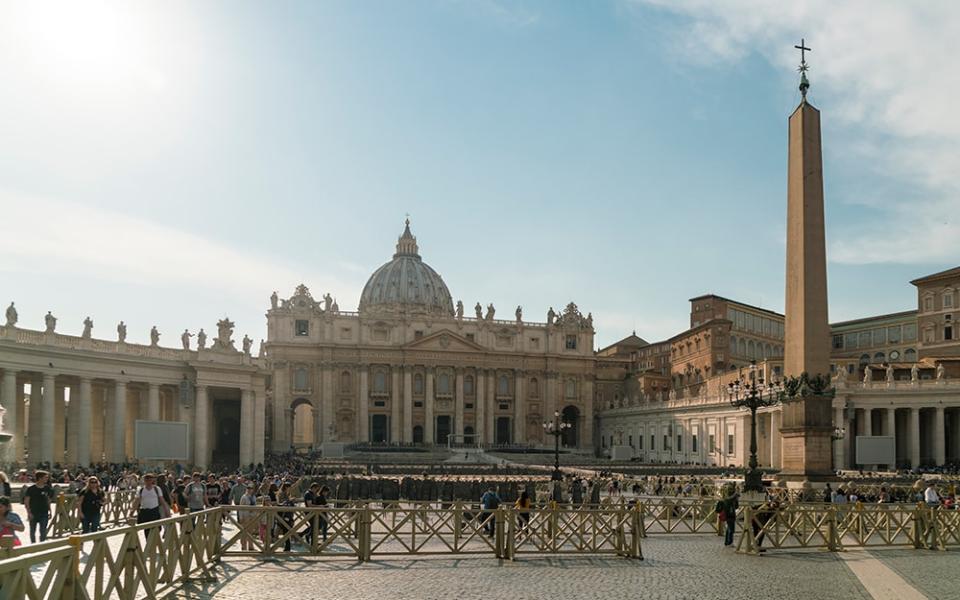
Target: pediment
{"points": [[445, 340]]}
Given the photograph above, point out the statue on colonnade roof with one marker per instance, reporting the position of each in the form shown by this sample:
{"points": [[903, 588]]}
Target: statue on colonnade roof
{"points": [[11, 315]]}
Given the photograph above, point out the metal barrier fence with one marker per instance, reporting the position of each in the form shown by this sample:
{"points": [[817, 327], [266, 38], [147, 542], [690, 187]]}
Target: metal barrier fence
{"points": [[128, 562], [833, 528]]}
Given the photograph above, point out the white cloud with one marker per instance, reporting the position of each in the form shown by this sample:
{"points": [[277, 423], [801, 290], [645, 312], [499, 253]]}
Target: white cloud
{"points": [[889, 72], [103, 245]]}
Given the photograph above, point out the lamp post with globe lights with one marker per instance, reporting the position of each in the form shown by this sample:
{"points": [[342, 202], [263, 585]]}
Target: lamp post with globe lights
{"points": [[753, 393], [556, 429]]}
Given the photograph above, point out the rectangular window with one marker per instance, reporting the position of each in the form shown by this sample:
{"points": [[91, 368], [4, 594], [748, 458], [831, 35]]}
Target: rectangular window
{"points": [[470, 337], [302, 327], [380, 334], [879, 337], [948, 332], [418, 404], [468, 405], [630, 441], [893, 334], [850, 341], [729, 444], [731, 439], [679, 445], [948, 300], [864, 339], [653, 438], [666, 442], [504, 406], [712, 443], [838, 342], [694, 443], [379, 403], [571, 343], [640, 442], [417, 335], [910, 332]]}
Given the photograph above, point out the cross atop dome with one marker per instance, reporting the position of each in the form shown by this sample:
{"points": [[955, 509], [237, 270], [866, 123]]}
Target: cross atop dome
{"points": [[407, 242]]}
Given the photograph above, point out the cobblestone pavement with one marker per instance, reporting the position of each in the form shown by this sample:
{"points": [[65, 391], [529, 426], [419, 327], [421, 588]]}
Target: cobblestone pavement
{"points": [[936, 574], [693, 566]]}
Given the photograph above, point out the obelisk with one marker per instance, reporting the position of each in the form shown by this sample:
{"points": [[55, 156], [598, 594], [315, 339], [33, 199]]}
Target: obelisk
{"points": [[807, 418]]}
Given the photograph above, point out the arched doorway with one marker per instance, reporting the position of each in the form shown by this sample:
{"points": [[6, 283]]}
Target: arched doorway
{"points": [[502, 431], [571, 435], [302, 434], [417, 434]]}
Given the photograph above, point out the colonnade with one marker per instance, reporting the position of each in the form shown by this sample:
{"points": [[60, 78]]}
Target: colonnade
{"points": [[80, 419], [923, 434]]}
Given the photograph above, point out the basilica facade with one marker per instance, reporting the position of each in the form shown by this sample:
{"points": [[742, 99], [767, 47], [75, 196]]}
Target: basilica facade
{"points": [[409, 367]]}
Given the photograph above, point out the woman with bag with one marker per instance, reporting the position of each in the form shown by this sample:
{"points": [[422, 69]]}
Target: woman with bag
{"points": [[10, 523], [726, 510], [92, 500]]}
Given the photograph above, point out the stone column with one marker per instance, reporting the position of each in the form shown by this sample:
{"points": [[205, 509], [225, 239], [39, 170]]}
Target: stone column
{"points": [[44, 438], [83, 420], [153, 402], [939, 437], [914, 437], [428, 405], [246, 427], [550, 401], [519, 408], [363, 416], [201, 420], [396, 414], [408, 404], [328, 402], [118, 447], [480, 418], [10, 395], [490, 407], [891, 430], [775, 439], [458, 404], [259, 424], [281, 400], [587, 441], [59, 422]]}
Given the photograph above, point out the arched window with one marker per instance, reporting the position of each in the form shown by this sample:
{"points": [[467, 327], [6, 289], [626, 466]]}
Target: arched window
{"points": [[418, 384], [864, 359], [345, 381], [733, 344], [534, 387], [879, 357], [468, 385], [503, 386], [300, 379], [741, 347], [443, 383], [751, 349], [571, 389], [380, 382], [910, 355]]}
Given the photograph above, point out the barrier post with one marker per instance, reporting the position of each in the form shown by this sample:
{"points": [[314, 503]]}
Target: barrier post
{"points": [[636, 551], [72, 582], [833, 535], [499, 532]]}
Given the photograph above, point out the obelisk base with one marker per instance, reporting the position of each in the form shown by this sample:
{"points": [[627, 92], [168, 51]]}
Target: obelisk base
{"points": [[806, 432]]}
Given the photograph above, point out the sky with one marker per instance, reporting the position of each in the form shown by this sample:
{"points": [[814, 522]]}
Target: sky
{"points": [[171, 163]]}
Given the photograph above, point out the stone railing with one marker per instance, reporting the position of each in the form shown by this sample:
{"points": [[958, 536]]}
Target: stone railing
{"points": [[897, 385], [31, 337]]}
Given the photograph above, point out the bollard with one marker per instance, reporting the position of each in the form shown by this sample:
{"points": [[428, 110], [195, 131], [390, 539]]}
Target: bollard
{"points": [[833, 536], [499, 515], [636, 551]]}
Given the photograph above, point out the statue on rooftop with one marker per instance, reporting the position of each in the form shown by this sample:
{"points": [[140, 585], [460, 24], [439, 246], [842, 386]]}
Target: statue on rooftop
{"points": [[87, 328], [247, 344], [491, 311], [201, 339], [11, 315], [479, 310], [51, 322], [890, 373], [867, 374], [274, 299], [327, 301], [459, 309], [121, 332], [941, 373], [914, 372], [185, 339], [154, 336], [519, 314], [551, 316]]}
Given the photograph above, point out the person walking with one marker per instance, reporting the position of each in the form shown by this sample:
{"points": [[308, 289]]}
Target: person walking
{"points": [[523, 505], [149, 503], [92, 500], [248, 518], [10, 523], [37, 501], [726, 510], [196, 494], [490, 501]]}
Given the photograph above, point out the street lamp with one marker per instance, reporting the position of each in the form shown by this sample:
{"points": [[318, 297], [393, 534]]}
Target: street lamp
{"points": [[556, 429], [753, 394], [837, 436]]}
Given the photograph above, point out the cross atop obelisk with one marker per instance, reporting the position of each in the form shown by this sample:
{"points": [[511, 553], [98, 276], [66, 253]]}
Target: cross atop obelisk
{"points": [[803, 68]]}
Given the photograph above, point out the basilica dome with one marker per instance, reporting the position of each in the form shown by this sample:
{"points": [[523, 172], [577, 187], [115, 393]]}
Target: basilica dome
{"points": [[406, 284]]}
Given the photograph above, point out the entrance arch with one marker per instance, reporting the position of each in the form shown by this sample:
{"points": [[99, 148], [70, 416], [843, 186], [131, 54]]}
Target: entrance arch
{"points": [[417, 434], [302, 434], [442, 429], [571, 435]]}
